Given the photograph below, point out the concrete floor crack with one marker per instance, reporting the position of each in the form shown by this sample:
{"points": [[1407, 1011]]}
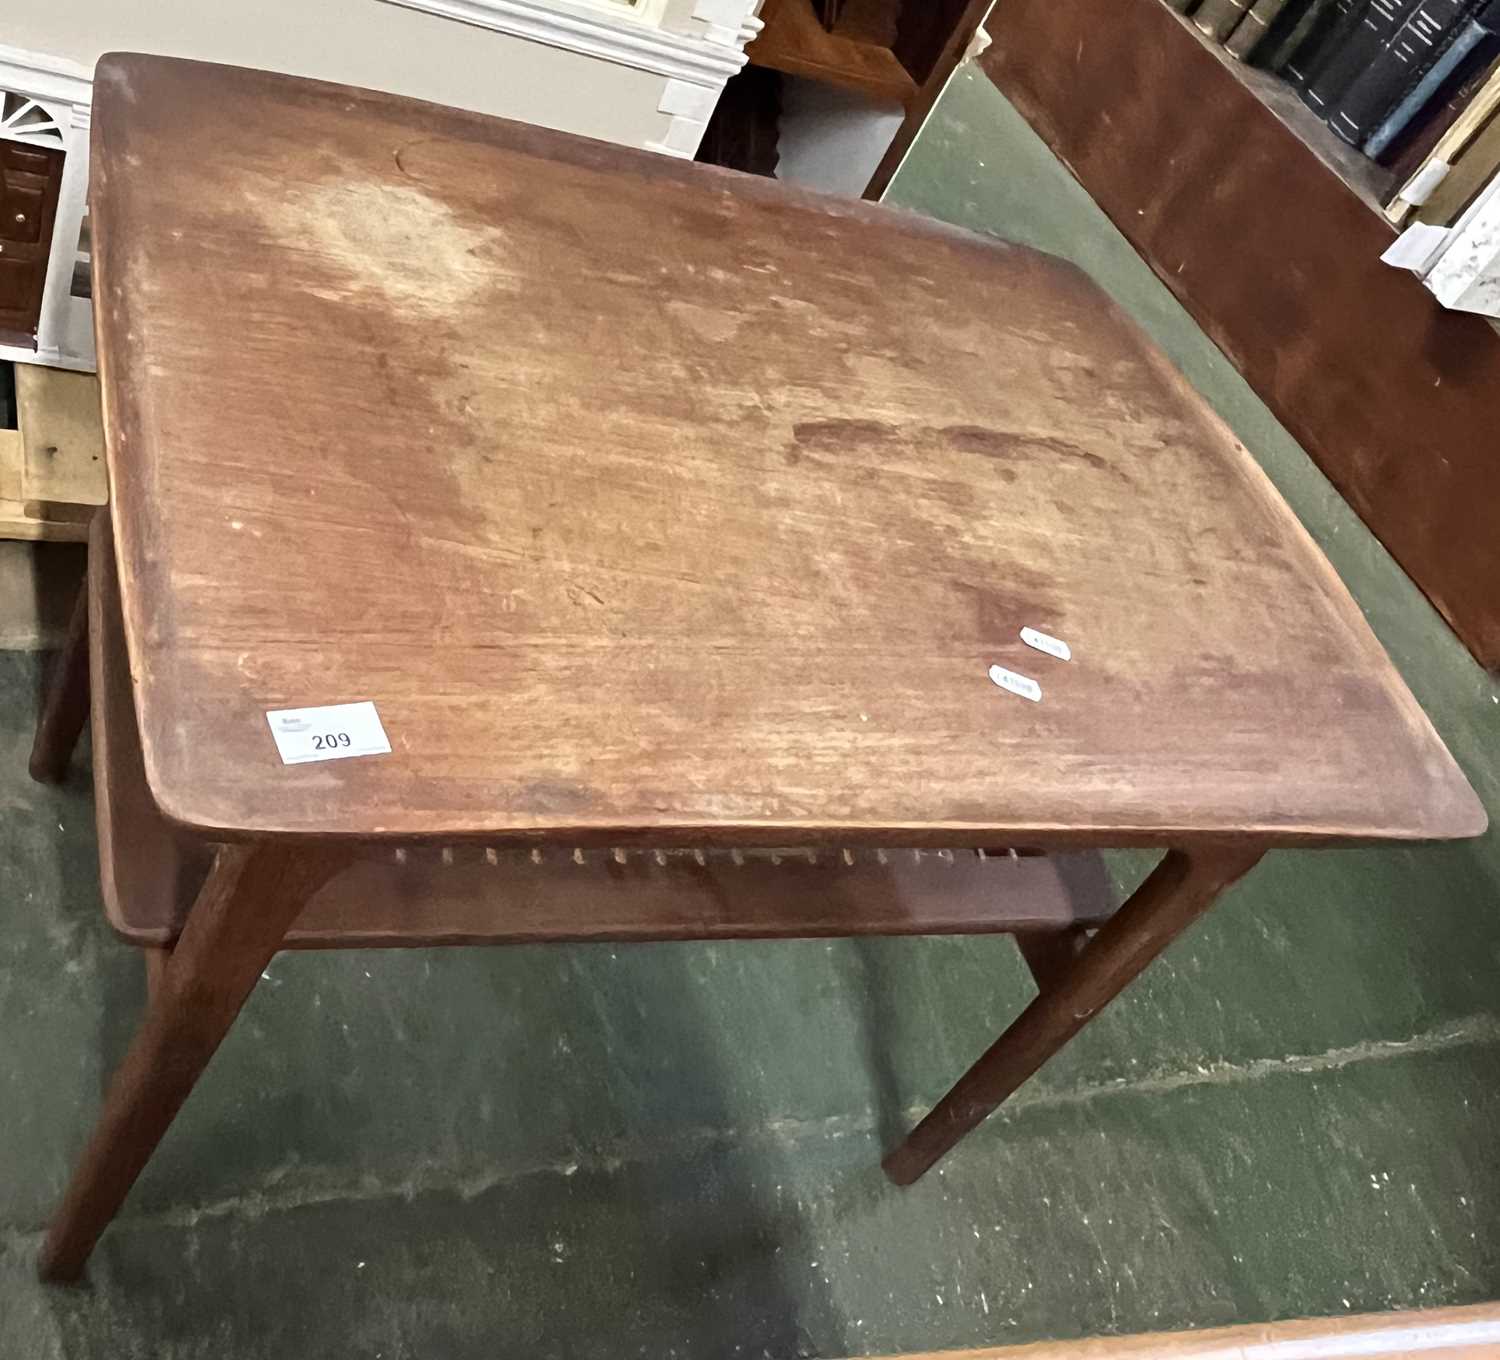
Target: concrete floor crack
{"points": [[321, 1189]]}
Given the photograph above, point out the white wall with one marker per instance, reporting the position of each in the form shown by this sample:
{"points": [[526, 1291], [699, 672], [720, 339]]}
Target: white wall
{"points": [[361, 42], [832, 139]]}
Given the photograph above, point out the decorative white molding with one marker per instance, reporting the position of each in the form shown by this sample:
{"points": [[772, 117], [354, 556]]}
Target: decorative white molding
{"points": [[594, 33], [45, 77], [1465, 274], [727, 13], [683, 99], [690, 106], [730, 23], [46, 102], [23, 119], [52, 357], [696, 66]]}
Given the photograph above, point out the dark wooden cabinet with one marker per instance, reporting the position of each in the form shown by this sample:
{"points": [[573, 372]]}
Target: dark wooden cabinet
{"points": [[891, 53], [29, 180]]}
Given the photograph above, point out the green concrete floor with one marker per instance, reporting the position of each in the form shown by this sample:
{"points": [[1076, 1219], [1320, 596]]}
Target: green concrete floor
{"points": [[671, 1150]]}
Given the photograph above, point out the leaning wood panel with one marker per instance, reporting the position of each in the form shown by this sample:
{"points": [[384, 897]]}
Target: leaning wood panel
{"points": [[62, 436], [794, 41], [1279, 262], [962, 26], [1470, 1332], [10, 465]]}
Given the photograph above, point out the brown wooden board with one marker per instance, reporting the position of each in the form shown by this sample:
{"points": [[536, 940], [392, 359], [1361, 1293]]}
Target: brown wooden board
{"points": [[24, 518], [61, 434], [656, 504], [1279, 261], [1468, 1332], [11, 456], [924, 31], [795, 42], [952, 27]]}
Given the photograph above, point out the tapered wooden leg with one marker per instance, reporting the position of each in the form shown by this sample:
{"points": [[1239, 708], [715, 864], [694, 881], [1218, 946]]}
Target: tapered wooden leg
{"points": [[1179, 890], [65, 705], [252, 894]]}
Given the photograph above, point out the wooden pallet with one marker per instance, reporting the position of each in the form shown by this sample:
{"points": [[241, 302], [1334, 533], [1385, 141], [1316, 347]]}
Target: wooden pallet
{"points": [[52, 473]]}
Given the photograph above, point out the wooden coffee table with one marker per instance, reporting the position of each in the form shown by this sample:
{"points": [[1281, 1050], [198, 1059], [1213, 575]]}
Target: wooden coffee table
{"points": [[672, 521]]}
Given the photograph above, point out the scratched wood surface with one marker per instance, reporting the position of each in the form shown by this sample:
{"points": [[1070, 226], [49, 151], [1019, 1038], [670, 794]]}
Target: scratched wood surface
{"points": [[653, 503], [151, 872]]}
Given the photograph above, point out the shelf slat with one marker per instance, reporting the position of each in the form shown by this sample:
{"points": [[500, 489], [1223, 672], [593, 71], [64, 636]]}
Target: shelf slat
{"points": [[794, 42]]}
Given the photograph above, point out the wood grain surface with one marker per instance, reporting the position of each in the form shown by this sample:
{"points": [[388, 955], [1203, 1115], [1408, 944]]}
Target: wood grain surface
{"points": [[655, 504], [62, 441], [1468, 1332], [794, 41], [151, 873]]}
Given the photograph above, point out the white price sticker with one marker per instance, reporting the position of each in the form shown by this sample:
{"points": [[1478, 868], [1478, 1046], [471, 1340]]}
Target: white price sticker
{"points": [[1023, 685], [1045, 643], [332, 732]]}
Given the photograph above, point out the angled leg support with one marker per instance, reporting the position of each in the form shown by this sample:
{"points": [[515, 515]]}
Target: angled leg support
{"points": [[1179, 890], [65, 705], [252, 895]]}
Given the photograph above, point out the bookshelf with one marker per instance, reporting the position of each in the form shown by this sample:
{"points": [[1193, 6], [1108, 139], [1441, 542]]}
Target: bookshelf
{"points": [[1363, 177], [795, 43], [1267, 229], [892, 57], [1370, 182]]}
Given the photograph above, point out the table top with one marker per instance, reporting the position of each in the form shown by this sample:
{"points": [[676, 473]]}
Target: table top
{"points": [[652, 502]]}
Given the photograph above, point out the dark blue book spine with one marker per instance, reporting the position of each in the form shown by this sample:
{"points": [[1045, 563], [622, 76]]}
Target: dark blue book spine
{"points": [[1422, 93], [1423, 36], [1378, 25], [1305, 16], [1330, 27]]}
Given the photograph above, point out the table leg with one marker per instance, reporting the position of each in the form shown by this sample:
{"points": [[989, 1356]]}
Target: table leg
{"points": [[1179, 890], [1051, 955], [65, 704], [252, 895]]}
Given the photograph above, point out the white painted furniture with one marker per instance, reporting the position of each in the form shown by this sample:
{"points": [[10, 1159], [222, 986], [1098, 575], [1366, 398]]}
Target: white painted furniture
{"points": [[1459, 264], [1465, 274], [44, 101]]}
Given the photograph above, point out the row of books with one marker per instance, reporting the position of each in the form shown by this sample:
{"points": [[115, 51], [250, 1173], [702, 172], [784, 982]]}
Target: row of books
{"points": [[1414, 84]]}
